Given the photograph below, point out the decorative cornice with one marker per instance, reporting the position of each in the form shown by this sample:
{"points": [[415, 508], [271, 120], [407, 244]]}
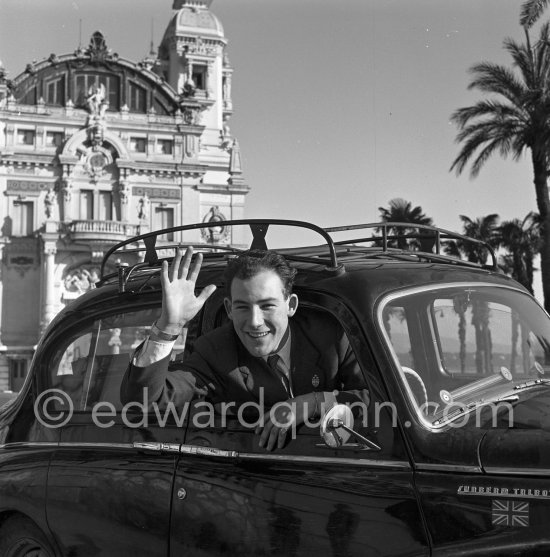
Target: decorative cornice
{"points": [[26, 160], [154, 192], [221, 188]]}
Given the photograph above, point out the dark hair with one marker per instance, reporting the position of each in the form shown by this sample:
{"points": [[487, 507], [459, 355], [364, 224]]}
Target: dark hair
{"points": [[249, 263]]}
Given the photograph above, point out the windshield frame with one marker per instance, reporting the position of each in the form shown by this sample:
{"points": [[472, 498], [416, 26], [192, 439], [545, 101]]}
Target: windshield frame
{"points": [[429, 422]]}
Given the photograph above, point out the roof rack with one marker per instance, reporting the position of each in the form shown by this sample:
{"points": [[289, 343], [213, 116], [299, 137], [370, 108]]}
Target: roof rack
{"points": [[258, 227], [429, 240], [429, 243]]}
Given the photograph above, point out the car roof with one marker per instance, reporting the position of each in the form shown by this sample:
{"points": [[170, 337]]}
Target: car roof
{"points": [[358, 268]]}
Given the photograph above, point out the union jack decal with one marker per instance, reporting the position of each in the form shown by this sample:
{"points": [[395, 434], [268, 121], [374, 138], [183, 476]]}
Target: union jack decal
{"points": [[510, 513]]}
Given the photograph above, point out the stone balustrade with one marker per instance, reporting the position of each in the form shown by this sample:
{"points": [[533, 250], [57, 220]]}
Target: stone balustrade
{"points": [[102, 230]]}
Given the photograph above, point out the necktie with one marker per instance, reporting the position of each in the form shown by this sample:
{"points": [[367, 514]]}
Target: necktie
{"points": [[274, 364]]}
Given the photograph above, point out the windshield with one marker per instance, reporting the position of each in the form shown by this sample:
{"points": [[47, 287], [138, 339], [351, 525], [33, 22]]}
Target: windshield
{"points": [[459, 346]]}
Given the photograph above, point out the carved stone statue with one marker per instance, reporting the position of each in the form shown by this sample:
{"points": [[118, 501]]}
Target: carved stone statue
{"points": [[225, 135], [143, 207], [49, 201], [97, 106], [67, 189], [96, 100], [80, 280], [124, 191]]}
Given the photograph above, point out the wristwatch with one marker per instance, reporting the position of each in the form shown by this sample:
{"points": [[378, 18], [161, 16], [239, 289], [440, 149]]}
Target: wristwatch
{"points": [[162, 335]]}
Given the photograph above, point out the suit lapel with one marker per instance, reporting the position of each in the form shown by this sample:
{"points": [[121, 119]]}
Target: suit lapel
{"points": [[306, 365]]}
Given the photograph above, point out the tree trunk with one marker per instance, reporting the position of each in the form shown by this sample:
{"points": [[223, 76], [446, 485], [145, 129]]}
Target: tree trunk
{"points": [[543, 204]]}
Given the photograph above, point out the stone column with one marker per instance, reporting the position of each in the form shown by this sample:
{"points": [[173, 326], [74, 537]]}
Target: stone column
{"points": [[67, 190], [49, 305], [2, 247], [124, 195], [228, 103]]}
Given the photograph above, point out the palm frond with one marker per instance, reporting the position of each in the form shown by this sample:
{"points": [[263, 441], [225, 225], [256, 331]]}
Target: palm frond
{"points": [[490, 136], [488, 108], [523, 59], [494, 78], [530, 12]]}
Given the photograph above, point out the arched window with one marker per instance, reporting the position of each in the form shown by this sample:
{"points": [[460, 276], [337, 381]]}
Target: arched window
{"points": [[55, 91], [137, 100], [83, 82]]}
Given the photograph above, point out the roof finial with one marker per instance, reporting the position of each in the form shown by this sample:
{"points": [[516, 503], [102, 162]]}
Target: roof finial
{"points": [[152, 48]]}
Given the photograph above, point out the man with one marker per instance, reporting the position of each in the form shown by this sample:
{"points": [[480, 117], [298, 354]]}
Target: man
{"points": [[262, 354]]}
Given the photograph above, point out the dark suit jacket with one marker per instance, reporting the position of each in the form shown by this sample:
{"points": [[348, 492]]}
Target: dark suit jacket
{"points": [[221, 369]]}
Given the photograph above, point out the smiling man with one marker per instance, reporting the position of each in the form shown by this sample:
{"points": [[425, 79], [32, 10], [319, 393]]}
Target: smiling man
{"points": [[269, 353]]}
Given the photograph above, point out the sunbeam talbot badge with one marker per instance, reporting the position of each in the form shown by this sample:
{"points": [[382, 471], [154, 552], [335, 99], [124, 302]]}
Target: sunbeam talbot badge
{"points": [[315, 381], [503, 492]]}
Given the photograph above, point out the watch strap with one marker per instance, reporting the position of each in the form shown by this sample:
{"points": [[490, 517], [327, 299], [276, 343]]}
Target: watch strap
{"points": [[163, 335]]}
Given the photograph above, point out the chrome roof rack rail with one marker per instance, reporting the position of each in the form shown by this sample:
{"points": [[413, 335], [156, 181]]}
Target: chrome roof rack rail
{"points": [[429, 238], [258, 228]]}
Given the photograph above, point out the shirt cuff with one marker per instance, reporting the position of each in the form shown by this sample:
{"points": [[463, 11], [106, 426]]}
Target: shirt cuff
{"points": [[151, 352]]}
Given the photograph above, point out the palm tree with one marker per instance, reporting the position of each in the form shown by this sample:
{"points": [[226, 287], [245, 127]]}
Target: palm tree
{"points": [[520, 239], [486, 230], [531, 10], [400, 210], [518, 120]]}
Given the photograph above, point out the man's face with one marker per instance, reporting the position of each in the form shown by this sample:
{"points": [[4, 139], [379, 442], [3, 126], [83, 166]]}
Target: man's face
{"points": [[260, 311]]}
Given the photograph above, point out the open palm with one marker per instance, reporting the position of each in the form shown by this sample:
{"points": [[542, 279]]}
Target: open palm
{"points": [[179, 303]]}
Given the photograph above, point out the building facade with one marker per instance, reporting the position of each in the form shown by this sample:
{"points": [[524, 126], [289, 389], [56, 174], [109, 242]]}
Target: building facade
{"points": [[95, 149]]}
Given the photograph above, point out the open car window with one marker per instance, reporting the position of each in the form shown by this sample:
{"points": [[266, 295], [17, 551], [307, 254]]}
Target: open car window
{"points": [[460, 346], [228, 429], [89, 365]]}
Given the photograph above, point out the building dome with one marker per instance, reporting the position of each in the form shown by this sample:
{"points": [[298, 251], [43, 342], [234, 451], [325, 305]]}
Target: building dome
{"points": [[194, 18]]}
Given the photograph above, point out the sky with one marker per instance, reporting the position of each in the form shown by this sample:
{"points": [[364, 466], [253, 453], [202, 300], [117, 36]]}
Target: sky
{"points": [[339, 105]]}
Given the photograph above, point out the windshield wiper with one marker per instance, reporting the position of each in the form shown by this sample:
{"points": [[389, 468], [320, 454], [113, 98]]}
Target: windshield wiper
{"points": [[509, 396], [459, 412], [531, 383]]}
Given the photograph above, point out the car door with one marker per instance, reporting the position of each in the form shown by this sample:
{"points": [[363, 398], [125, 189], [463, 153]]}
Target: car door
{"points": [[111, 477], [232, 497]]}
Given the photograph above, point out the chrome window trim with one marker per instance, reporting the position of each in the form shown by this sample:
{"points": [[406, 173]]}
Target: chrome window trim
{"points": [[196, 450], [509, 470], [426, 467], [86, 445], [370, 463], [29, 445], [385, 300]]}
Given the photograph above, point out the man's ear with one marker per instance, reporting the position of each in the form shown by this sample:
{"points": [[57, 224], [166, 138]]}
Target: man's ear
{"points": [[292, 304], [227, 305]]}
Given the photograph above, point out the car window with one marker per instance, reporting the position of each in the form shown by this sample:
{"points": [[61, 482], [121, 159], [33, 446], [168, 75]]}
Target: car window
{"points": [[397, 327], [89, 365], [226, 429], [455, 346], [503, 337]]}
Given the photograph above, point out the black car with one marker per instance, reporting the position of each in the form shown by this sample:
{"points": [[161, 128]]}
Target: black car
{"points": [[451, 458]]}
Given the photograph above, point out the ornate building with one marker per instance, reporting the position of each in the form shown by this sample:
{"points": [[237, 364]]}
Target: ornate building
{"points": [[94, 149]]}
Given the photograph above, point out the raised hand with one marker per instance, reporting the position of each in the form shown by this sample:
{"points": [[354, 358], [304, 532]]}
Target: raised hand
{"points": [[179, 303]]}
